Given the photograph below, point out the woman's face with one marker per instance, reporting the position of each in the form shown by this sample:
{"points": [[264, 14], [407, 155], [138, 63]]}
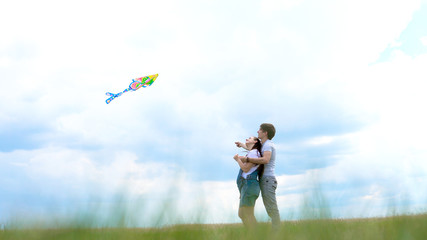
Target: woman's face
{"points": [[251, 140]]}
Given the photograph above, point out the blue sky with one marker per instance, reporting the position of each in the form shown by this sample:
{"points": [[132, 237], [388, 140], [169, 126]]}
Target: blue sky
{"points": [[342, 81]]}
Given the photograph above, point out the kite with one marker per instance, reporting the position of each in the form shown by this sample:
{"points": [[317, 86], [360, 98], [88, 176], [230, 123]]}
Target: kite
{"points": [[133, 86]]}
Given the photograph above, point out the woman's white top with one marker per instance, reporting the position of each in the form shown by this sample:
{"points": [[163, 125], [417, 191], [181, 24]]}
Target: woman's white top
{"points": [[252, 154]]}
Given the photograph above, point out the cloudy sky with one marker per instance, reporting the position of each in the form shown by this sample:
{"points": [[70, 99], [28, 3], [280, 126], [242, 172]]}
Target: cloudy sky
{"points": [[343, 81]]}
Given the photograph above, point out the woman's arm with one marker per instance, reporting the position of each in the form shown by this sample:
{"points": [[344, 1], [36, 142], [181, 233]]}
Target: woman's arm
{"points": [[244, 166], [242, 145]]}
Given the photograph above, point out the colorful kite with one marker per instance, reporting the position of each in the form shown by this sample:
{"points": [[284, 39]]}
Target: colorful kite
{"points": [[134, 85]]}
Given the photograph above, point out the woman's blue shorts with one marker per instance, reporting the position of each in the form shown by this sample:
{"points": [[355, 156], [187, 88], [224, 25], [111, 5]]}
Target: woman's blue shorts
{"points": [[249, 189]]}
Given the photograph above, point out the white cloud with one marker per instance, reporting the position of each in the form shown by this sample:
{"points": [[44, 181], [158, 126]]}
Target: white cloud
{"points": [[271, 6], [5, 62], [321, 140], [62, 173], [362, 39]]}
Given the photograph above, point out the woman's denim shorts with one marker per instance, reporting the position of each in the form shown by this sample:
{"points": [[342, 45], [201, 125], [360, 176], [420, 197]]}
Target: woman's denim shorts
{"points": [[249, 189]]}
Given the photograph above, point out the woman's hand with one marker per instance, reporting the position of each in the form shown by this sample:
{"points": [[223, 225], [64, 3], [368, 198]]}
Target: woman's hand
{"points": [[241, 145], [236, 157]]}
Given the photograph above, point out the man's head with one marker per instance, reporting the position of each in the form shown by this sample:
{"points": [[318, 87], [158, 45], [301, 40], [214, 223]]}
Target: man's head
{"points": [[266, 130]]}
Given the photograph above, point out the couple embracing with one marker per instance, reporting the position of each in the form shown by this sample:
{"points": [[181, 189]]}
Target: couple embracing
{"points": [[257, 175]]}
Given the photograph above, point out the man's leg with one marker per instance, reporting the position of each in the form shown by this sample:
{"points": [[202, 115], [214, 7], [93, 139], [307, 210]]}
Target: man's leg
{"points": [[268, 191]]}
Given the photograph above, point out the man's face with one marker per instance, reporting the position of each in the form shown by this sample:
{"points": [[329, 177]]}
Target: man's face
{"points": [[261, 134]]}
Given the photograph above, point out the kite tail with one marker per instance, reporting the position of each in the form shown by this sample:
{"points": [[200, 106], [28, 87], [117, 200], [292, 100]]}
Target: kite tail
{"points": [[112, 95]]}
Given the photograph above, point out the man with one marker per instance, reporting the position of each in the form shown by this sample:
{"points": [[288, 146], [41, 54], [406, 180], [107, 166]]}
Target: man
{"points": [[268, 182]]}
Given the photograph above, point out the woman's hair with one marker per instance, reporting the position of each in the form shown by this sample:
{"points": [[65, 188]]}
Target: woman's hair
{"points": [[258, 146]]}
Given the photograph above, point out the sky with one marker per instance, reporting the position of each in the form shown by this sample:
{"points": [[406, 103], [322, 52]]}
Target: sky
{"points": [[342, 81]]}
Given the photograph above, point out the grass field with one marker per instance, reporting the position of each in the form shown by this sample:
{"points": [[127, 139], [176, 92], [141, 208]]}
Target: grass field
{"points": [[389, 228]]}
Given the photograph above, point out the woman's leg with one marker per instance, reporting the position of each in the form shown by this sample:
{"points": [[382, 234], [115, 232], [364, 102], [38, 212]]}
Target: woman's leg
{"points": [[249, 194], [246, 213]]}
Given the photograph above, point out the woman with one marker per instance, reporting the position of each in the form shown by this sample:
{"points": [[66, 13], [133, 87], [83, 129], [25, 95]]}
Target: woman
{"points": [[247, 181]]}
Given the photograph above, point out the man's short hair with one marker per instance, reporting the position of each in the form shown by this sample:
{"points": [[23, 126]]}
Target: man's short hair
{"points": [[269, 128]]}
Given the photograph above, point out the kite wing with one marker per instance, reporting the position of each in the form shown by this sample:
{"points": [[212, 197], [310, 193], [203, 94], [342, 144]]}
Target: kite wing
{"points": [[136, 84]]}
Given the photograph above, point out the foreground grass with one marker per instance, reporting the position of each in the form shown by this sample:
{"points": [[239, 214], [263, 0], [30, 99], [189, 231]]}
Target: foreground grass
{"points": [[397, 227]]}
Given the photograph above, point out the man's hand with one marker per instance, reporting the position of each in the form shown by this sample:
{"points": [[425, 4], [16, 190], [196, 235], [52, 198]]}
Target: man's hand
{"points": [[236, 157]]}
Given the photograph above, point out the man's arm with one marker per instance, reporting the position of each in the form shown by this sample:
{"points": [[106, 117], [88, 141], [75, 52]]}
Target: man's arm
{"points": [[262, 160], [245, 166]]}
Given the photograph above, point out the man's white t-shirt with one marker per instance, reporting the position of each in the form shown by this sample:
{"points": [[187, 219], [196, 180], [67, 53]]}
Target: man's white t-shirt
{"points": [[268, 146]]}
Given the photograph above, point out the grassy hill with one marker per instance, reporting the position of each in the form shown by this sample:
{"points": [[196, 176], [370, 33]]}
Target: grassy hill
{"points": [[389, 228]]}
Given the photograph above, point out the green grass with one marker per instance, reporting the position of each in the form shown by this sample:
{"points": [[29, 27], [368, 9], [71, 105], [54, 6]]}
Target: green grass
{"points": [[389, 228]]}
